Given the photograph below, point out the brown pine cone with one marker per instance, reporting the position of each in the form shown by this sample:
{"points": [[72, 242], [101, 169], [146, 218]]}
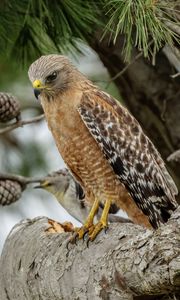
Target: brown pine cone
{"points": [[10, 191], [9, 107]]}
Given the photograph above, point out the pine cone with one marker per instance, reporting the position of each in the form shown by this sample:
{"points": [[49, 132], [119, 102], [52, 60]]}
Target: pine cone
{"points": [[10, 191], [9, 107]]}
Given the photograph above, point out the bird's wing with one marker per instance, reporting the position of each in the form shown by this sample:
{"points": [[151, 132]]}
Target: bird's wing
{"points": [[134, 159], [80, 194]]}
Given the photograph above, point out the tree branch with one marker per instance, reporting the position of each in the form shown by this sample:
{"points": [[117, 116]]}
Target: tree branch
{"points": [[128, 261], [21, 123], [175, 156], [21, 179]]}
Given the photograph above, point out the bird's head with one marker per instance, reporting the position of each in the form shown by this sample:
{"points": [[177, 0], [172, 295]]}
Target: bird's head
{"points": [[51, 74], [57, 183]]}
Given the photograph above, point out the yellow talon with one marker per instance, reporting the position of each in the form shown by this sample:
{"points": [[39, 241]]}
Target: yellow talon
{"points": [[88, 225], [97, 228], [103, 222]]}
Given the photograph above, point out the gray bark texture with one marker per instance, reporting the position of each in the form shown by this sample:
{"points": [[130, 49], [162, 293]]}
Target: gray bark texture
{"points": [[128, 262]]}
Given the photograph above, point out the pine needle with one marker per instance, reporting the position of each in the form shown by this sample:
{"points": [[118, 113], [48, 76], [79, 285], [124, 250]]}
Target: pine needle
{"points": [[140, 21]]}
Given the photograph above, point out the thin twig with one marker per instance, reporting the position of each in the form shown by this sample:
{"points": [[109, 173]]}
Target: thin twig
{"points": [[128, 65], [125, 68], [121, 72], [21, 179], [175, 156], [175, 75], [21, 123]]}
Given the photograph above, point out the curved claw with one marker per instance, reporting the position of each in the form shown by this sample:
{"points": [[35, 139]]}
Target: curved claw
{"points": [[97, 228], [72, 240], [106, 229], [84, 237], [79, 233], [82, 231], [87, 242], [87, 228], [95, 232]]}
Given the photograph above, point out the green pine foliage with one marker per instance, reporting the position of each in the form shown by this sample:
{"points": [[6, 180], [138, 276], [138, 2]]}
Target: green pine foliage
{"points": [[30, 28], [141, 21]]}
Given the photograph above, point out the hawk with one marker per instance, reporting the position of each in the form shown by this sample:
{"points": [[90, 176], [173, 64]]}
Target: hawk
{"points": [[103, 146]]}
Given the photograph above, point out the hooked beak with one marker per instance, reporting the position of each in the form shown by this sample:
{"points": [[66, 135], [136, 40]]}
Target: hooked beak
{"points": [[37, 187], [37, 93], [38, 86]]}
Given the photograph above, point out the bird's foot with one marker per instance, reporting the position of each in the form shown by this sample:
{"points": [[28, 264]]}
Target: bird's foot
{"points": [[79, 233], [91, 230], [86, 228], [103, 222], [97, 228]]}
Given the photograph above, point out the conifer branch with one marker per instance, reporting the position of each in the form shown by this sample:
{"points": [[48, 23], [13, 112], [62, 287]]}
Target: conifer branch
{"points": [[21, 123]]}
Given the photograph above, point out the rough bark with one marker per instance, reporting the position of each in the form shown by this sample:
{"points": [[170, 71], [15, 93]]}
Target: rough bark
{"points": [[150, 93], [126, 263]]}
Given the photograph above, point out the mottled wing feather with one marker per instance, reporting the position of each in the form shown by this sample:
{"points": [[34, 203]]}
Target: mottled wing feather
{"points": [[158, 160], [79, 191], [131, 154]]}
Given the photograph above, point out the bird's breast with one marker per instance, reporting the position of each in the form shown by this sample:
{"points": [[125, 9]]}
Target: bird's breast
{"points": [[61, 115]]}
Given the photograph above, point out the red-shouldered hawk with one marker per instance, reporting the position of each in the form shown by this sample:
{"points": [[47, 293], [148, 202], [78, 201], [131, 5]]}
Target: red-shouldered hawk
{"points": [[103, 145]]}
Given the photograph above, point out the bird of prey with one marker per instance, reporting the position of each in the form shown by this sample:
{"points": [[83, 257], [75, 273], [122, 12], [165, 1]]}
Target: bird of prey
{"points": [[71, 196], [103, 145]]}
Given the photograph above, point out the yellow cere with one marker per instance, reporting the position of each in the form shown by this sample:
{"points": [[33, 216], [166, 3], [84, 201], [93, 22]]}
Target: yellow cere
{"points": [[37, 84]]}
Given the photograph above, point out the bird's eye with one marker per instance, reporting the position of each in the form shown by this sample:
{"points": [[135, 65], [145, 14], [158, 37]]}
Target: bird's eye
{"points": [[51, 77]]}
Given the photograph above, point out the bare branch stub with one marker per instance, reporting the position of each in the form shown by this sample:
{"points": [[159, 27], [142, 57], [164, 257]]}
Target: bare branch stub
{"points": [[21, 123], [175, 156]]}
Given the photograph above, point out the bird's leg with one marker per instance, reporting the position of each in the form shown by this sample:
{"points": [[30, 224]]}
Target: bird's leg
{"points": [[103, 222], [88, 225]]}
